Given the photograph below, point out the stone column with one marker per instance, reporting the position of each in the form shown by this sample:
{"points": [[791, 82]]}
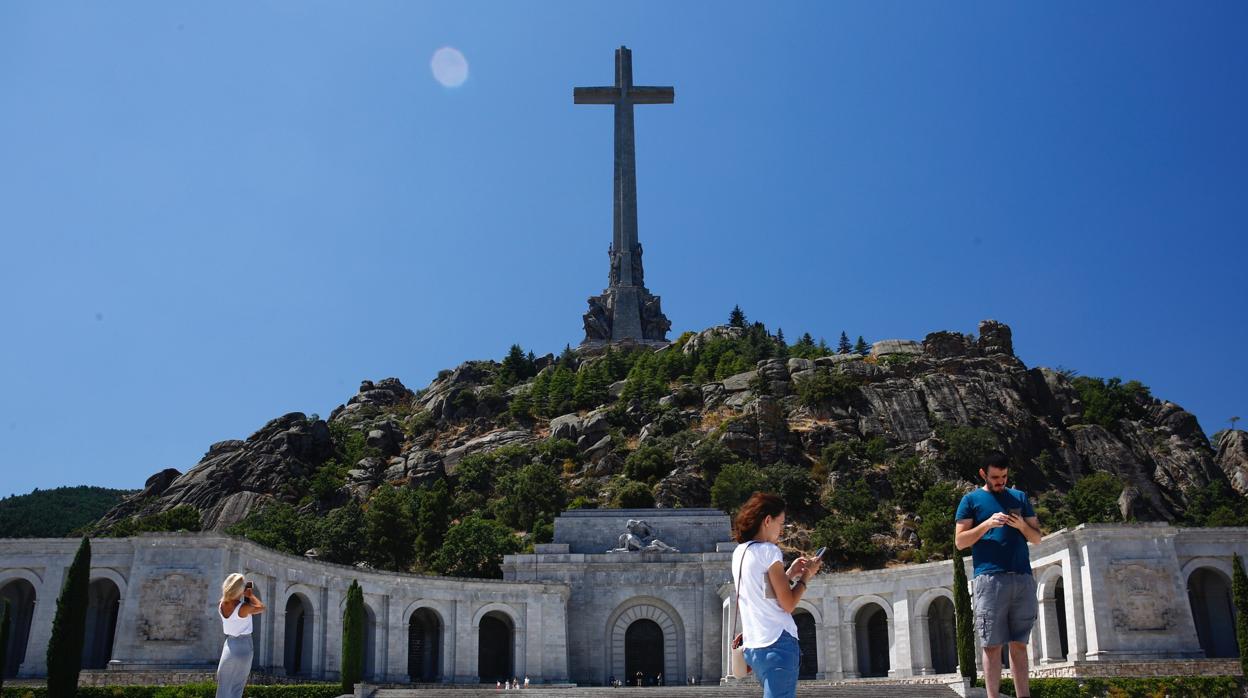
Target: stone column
{"points": [[36, 662], [396, 643], [332, 636], [1050, 647], [833, 668], [899, 630], [465, 642], [922, 646], [849, 649]]}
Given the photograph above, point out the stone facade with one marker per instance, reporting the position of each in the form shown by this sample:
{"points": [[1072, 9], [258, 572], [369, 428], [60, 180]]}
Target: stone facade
{"points": [[1114, 600]]}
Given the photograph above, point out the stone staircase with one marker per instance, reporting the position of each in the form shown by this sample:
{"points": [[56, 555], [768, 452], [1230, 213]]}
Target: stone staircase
{"points": [[805, 689]]}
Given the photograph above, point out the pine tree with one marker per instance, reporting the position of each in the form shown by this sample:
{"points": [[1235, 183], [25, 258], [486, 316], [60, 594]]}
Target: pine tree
{"points": [[964, 621], [736, 318], [861, 346], [69, 627], [1239, 592], [843, 346], [353, 638], [432, 521], [391, 535], [4, 639], [780, 336], [567, 358]]}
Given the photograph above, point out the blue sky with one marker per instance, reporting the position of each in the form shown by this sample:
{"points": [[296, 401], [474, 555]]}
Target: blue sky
{"points": [[211, 215]]}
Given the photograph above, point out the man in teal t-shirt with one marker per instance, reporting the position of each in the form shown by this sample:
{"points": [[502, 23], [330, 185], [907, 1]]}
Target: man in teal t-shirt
{"points": [[997, 523]]}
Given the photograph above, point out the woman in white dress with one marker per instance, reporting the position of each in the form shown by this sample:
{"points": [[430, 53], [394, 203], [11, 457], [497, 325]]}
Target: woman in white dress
{"points": [[238, 604]]}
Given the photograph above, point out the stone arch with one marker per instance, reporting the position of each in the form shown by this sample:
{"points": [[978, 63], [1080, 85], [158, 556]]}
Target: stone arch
{"points": [[871, 642], [500, 648], [299, 635], [660, 613], [810, 662], [1223, 566], [1209, 595], [425, 642], [370, 637], [103, 606], [20, 588], [1051, 626]]}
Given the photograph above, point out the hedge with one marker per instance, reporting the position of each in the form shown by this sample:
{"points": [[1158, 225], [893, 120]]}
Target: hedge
{"points": [[190, 690], [1171, 687]]}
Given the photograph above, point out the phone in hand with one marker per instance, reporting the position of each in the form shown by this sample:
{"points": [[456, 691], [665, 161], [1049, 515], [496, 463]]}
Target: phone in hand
{"points": [[246, 588], [821, 552], [1016, 513]]}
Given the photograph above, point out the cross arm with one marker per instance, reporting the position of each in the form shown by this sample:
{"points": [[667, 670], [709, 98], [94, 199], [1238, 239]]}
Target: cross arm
{"points": [[652, 95], [595, 95]]}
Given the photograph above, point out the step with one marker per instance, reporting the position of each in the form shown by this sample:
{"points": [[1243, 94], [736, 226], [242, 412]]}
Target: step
{"points": [[863, 689]]}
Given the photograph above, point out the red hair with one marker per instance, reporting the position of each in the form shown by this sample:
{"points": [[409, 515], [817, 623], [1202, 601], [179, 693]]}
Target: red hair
{"points": [[749, 519]]}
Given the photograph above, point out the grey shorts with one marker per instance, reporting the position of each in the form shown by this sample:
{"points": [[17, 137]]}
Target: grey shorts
{"points": [[1005, 608]]}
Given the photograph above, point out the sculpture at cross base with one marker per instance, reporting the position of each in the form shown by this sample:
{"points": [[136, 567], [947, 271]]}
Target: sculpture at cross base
{"points": [[626, 311], [639, 537]]}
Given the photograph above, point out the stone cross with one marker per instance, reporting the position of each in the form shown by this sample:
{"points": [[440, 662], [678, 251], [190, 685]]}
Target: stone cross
{"points": [[625, 250]]}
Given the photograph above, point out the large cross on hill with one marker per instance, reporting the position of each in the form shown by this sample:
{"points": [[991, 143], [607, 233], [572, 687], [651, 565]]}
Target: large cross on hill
{"points": [[627, 307]]}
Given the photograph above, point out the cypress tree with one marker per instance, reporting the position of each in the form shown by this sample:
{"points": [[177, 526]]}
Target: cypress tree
{"points": [[69, 627], [964, 620], [1239, 592], [353, 638], [4, 639]]}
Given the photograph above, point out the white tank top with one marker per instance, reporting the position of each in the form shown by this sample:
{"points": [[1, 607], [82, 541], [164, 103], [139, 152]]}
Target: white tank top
{"points": [[235, 624]]}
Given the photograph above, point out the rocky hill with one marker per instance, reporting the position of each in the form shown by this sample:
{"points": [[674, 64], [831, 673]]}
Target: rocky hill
{"points": [[867, 445]]}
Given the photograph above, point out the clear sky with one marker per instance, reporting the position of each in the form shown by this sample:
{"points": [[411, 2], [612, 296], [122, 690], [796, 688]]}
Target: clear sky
{"points": [[212, 214]]}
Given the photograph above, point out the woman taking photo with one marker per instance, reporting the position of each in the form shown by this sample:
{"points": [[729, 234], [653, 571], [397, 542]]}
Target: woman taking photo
{"points": [[767, 594], [238, 604]]}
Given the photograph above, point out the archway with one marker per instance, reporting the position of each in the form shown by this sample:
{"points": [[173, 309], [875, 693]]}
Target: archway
{"points": [[643, 653], [1209, 593], [495, 656], [871, 626], [424, 646], [21, 597], [103, 601], [941, 636], [808, 643], [1059, 602], [622, 619], [299, 634]]}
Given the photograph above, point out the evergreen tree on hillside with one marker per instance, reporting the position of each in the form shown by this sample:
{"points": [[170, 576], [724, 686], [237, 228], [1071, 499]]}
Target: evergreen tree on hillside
{"points": [[861, 346], [736, 318], [516, 368], [69, 627], [843, 346]]}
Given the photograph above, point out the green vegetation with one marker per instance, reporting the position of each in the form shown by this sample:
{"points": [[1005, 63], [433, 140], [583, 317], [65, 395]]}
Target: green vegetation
{"points": [[965, 449], [1170, 687], [630, 494], [56, 513], [390, 527], [1215, 504], [1239, 595], [964, 621], [857, 515], [826, 387], [1107, 401], [935, 529], [475, 547], [352, 638], [183, 517], [69, 626]]}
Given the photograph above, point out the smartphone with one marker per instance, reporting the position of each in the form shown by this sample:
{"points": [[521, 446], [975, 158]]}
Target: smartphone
{"points": [[821, 552], [246, 588], [1016, 513]]}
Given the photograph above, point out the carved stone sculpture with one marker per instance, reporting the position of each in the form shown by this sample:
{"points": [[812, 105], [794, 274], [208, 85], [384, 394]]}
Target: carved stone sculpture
{"points": [[640, 537]]}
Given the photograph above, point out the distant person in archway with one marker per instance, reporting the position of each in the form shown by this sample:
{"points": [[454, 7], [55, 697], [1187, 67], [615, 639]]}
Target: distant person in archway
{"points": [[238, 604], [767, 594], [996, 523]]}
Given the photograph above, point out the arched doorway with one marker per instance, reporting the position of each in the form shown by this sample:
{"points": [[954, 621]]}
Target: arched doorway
{"points": [[643, 653], [808, 643], [495, 660], [1059, 602], [103, 601], [21, 597], [299, 634], [1209, 593], [871, 627], [941, 636], [424, 646]]}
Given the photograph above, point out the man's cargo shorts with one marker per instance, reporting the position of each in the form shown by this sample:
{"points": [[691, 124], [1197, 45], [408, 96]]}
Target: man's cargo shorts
{"points": [[1005, 607]]}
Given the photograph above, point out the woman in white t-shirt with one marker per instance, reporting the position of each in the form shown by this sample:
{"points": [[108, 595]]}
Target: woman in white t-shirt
{"points": [[767, 594]]}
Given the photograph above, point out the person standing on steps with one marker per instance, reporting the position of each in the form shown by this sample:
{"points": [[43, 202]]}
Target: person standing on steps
{"points": [[767, 594], [238, 604], [996, 523]]}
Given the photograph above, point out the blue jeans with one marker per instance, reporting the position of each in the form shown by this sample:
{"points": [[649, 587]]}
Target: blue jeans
{"points": [[776, 666]]}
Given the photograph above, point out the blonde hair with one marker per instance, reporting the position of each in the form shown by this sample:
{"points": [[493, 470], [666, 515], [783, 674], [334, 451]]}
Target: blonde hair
{"points": [[232, 587]]}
